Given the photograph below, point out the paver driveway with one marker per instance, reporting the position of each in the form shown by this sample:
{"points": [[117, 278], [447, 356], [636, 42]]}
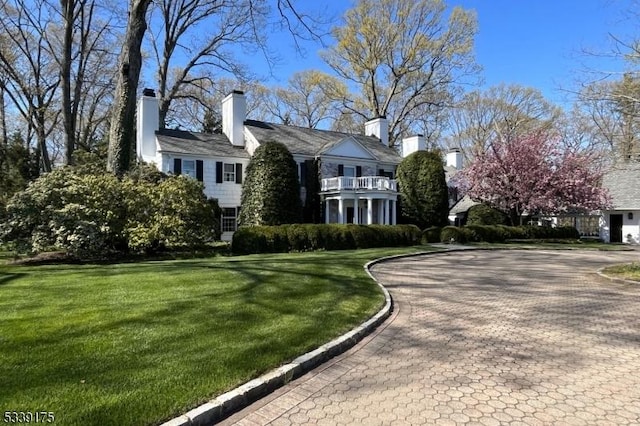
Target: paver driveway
{"points": [[485, 337]]}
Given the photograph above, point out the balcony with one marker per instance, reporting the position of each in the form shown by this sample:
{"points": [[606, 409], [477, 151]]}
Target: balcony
{"points": [[364, 183]]}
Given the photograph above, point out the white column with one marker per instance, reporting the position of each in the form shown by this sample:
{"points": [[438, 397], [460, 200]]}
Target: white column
{"points": [[386, 212], [327, 211], [340, 210], [356, 209], [380, 212], [393, 212], [369, 211]]}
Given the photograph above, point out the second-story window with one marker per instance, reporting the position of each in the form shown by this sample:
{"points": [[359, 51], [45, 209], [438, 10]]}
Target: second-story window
{"points": [[349, 171], [189, 168], [229, 172]]}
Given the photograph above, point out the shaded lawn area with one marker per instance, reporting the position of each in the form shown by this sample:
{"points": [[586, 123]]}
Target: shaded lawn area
{"points": [[139, 343], [629, 271]]}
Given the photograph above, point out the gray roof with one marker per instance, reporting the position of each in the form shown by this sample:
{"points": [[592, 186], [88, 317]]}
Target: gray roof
{"points": [[193, 143], [623, 183], [462, 206], [312, 142]]}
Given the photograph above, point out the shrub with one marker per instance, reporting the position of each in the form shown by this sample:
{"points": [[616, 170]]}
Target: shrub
{"points": [[274, 239], [431, 235], [481, 214], [501, 233], [454, 234], [271, 191], [91, 214], [424, 195]]}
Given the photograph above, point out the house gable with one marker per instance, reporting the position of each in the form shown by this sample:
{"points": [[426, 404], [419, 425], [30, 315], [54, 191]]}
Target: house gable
{"points": [[348, 147]]}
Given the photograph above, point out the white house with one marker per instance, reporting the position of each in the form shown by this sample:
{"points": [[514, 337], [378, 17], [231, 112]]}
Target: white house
{"points": [[356, 171], [621, 224]]}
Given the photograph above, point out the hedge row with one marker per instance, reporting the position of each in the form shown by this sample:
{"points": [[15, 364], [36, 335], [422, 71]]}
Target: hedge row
{"points": [[307, 237], [499, 233]]}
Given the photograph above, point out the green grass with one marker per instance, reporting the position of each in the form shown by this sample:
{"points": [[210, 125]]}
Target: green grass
{"points": [[629, 271], [139, 343]]}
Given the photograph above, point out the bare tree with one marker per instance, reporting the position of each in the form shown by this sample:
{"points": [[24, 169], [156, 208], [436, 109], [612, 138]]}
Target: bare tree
{"points": [[311, 99], [87, 72], [31, 78], [121, 133], [402, 56], [507, 111]]}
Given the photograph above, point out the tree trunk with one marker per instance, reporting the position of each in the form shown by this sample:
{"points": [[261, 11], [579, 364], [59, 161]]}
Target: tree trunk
{"points": [[122, 131], [65, 78]]}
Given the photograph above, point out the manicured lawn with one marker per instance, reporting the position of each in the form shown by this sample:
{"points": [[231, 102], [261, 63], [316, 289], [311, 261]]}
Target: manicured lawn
{"points": [[630, 271], [139, 343]]}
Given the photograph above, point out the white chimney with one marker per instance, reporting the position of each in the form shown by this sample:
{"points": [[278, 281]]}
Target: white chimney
{"points": [[378, 127], [148, 123], [413, 144], [454, 158], [234, 112]]}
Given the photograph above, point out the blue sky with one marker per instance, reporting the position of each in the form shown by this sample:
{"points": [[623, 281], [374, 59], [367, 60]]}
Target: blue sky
{"points": [[536, 43]]}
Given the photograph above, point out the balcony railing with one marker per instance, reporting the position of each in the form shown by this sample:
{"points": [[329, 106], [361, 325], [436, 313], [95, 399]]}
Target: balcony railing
{"points": [[371, 183]]}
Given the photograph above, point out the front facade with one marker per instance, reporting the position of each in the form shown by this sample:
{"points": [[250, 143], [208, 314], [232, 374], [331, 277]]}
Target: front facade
{"points": [[357, 172], [621, 223]]}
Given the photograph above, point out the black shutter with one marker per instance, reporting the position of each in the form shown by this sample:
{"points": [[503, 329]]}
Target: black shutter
{"points": [[340, 170], [199, 170], [218, 171], [177, 166], [358, 171], [238, 172], [303, 173]]}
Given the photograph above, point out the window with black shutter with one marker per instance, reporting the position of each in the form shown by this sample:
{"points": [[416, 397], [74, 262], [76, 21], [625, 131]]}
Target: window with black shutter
{"points": [[199, 170], [219, 167]]}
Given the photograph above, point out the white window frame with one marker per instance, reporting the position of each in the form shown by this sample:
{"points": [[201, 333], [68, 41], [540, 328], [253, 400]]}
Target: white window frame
{"points": [[351, 168], [228, 220], [228, 176], [189, 168]]}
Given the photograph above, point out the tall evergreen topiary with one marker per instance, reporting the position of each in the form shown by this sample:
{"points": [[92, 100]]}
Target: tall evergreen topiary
{"points": [[424, 198], [271, 191]]}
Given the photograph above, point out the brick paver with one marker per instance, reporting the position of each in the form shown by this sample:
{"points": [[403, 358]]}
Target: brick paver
{"points": [[484, 338]]}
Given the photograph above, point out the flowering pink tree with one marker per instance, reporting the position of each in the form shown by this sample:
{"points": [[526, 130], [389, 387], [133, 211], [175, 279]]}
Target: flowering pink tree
{"points": [[532, 175]]}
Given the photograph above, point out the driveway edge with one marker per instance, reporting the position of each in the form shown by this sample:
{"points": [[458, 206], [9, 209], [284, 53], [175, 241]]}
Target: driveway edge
{"points": [[615, 279], [226, 404]]}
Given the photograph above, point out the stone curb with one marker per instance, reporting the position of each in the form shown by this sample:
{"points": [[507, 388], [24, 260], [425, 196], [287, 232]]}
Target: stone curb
{"points": [[226, 404], [615, 279]]}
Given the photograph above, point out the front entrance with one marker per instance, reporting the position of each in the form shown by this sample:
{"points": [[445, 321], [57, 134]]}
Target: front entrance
{"points": [[349, 215], [616, 228]]}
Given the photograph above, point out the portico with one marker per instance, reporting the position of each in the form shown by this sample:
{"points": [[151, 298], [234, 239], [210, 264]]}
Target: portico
{"points": [[363, 200]]}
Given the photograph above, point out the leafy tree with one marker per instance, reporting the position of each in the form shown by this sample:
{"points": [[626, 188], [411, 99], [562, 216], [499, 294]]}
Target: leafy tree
{"points": [[271, 191], [405, 58], [18, 166], [424, 195], [532, 175]]}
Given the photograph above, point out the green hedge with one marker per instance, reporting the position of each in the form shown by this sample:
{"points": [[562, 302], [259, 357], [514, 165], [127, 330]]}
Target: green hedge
{"points": [[431, 235], [501, 233], [308, 237]]}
